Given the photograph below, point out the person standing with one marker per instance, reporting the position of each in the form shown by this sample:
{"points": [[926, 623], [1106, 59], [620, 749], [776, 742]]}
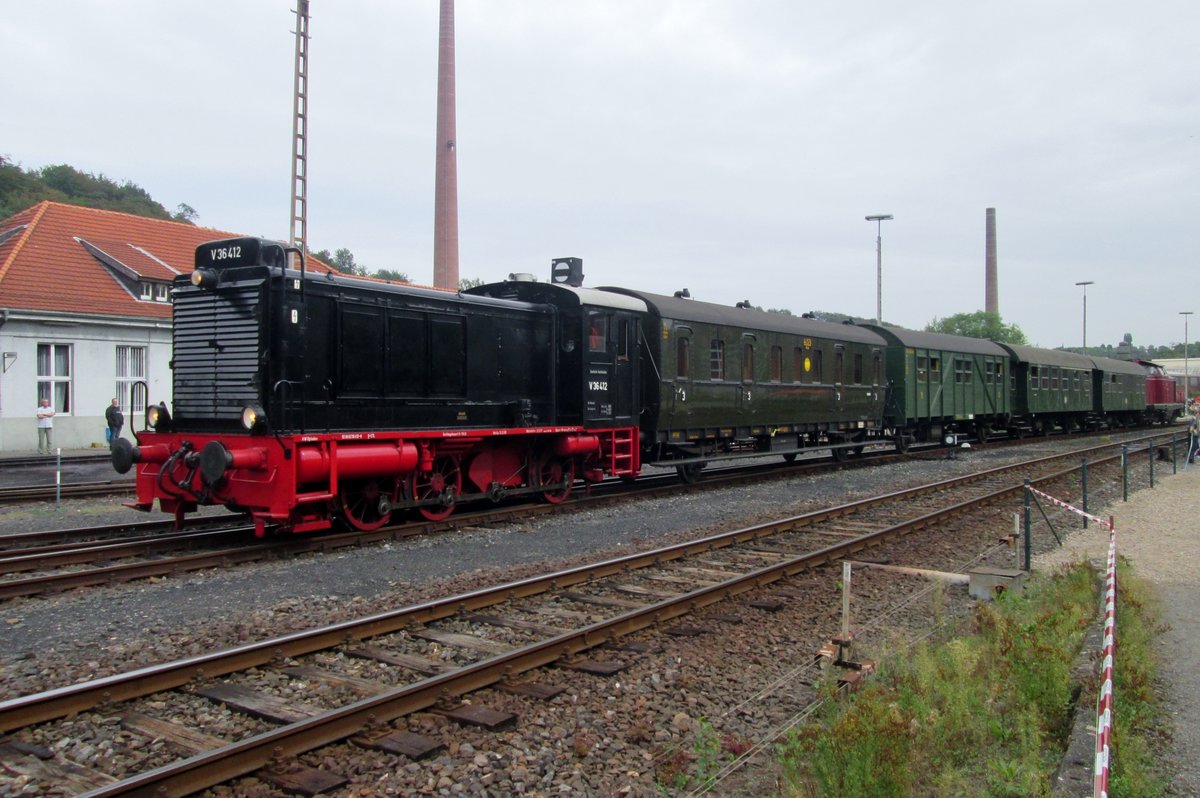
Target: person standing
{"points": [[1193, 428], [115, 419], [45, 425]]}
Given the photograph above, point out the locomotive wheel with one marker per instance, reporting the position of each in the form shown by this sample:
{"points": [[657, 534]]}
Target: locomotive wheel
{"points": [[690, 473], [442, 483], [367, 505], [555, 471]]}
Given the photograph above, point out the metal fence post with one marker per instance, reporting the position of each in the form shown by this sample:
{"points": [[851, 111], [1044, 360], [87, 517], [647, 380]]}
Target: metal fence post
{"points": [[1153, 451], [1174, 459], [1083, 481], [1125, 473]]}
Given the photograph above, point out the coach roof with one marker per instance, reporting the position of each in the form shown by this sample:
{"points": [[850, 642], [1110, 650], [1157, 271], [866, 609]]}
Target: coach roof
{"points": [[916, 339], [1050, 357], [685, 310]]}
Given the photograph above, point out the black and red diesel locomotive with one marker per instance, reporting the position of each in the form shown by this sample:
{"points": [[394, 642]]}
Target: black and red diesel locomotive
{"points": [[313, 399]]}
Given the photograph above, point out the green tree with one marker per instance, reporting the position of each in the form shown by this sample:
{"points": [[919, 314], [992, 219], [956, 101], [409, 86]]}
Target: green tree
{"points": [[20, 188], [979, 324], [185, 213], [469, 282], [392, 274]]}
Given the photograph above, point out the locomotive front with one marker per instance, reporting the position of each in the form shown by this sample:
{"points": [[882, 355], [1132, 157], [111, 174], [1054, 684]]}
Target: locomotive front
{"points": [[216, 446]]}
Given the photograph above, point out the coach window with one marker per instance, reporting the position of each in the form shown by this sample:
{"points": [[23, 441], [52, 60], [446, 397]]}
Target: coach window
{"points": [[922, 368], [683, 358], [597, 331], [858, 368], [716, 359], [877, 367], [747, 362], [777, 364], [839, 365], [1033, 377], [1045, 378], [1054, 378], [818, 366], [999, 369], [799, 372]]}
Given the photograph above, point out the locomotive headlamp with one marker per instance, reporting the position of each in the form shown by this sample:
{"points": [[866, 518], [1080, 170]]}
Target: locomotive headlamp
{"points": [[253, 417], [158, 417], [205, 278]]}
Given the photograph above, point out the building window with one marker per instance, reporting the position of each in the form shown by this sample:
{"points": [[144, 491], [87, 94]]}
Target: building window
{"points": [[683, 358], [163, 293], [777, 364], [131, 368], [54, 376], [147, 291], [716, 359]]}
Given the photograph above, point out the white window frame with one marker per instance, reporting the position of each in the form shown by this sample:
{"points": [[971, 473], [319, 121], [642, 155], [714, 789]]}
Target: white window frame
{"points": [[129, 370], [55, 365], [162, 292], [147, 291]]}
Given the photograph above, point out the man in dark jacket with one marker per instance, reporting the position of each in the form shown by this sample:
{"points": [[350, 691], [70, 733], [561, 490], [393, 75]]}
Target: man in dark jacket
{"points": [[115, 419]]}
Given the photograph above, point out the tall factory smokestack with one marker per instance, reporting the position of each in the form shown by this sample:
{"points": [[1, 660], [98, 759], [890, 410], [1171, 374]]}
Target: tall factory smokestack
{"points": [[991, 291], [445, 196]]}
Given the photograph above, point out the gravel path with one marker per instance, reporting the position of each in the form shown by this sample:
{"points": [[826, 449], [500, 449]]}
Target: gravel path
{"points": [[1157, 530]]}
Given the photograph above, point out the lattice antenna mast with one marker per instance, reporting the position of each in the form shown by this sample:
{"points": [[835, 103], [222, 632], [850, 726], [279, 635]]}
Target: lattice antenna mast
{"points": [[299, 237]]}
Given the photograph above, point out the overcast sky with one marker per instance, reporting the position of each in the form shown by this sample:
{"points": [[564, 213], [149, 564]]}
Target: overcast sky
{"points": [[733, 148]]}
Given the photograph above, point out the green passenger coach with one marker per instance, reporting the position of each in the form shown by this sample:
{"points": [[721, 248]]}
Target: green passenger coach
{"points": [[943, 385], [740, 379]]}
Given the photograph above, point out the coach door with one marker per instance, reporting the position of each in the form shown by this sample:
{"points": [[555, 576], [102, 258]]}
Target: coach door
{"points": [[610, 368]]}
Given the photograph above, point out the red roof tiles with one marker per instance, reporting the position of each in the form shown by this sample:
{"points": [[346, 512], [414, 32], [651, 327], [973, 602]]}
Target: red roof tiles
{"points": [[46, 266]]}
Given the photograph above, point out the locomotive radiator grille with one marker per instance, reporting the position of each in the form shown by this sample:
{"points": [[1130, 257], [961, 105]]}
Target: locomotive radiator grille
{"points": [[218, 347]]}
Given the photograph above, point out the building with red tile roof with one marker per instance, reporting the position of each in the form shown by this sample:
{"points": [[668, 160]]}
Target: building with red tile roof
{"points": [[85, 315]]}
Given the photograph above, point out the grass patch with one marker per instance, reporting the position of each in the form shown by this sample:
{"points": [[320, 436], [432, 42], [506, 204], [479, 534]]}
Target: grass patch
{"points": [[987, 713]]}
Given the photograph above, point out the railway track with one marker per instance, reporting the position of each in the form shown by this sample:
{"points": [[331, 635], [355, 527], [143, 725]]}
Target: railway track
{"points": [[428, 656], [83, 561], [70, 490]]}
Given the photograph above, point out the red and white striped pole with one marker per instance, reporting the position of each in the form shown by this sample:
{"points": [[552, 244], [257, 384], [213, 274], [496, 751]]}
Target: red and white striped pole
{"points": [[1104, 707]]}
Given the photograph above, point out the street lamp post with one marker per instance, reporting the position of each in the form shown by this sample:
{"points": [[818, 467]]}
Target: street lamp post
{"points": [[879, 219], [1187, 375], [1085, 284]]}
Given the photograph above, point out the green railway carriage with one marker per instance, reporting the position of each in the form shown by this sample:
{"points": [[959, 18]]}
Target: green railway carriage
{"points": [[1050, 388], [1119, 390], [943, 384], [731, 378]]}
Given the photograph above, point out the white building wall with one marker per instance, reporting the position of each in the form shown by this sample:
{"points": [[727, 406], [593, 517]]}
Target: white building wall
{"points": [[93, 342]]}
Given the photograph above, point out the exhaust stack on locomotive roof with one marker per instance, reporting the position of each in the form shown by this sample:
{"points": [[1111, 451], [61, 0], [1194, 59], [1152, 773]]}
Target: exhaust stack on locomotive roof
{"points": [[567, 271]]}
